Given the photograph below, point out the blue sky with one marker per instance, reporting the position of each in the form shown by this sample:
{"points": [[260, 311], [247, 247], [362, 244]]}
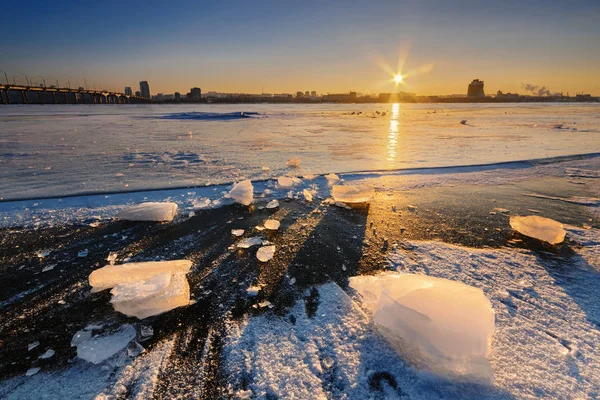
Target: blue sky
{"points": [[285, 46]]}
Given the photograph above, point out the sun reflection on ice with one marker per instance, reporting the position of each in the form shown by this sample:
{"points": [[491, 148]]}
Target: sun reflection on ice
{"points": [[393, 134]]}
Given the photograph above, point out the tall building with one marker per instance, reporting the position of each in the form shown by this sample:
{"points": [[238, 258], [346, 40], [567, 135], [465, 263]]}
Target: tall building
{"points": [[138, 93], [313, 93], [196, 93], [145, 89], [128, 90], [177, 96], [475, 89]]}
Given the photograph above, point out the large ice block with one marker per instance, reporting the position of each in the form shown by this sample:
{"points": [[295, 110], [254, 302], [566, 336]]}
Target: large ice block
{"points": [[352, 194], [243, 192], [438, 325], [151, 211], [177, 294], [113, 275], [545, 229]]}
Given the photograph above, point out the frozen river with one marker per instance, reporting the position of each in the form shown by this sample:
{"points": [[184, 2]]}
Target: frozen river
{"points": [[51, 151]]}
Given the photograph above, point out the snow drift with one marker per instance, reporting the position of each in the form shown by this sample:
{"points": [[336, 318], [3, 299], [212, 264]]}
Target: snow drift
{"points": [[438, 325]]}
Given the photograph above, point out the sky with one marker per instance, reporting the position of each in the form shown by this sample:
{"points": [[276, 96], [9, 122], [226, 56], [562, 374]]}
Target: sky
{"points": [[288, 46]]}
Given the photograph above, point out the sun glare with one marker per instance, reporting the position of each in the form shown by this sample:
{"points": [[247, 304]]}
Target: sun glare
{"points": [[398, 78]]}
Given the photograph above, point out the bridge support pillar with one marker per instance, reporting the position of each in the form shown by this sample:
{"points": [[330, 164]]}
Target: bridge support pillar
{"points": [[24, 98]]}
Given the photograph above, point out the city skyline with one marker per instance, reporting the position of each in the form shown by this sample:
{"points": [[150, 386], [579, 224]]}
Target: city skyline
{"points": [[332, 48]]}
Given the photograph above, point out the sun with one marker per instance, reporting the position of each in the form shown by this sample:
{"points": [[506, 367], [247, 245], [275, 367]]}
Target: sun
{"points": [[398, 78]]}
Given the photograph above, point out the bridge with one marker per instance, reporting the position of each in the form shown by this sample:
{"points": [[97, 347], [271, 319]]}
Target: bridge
{"points": [[20, 94]]}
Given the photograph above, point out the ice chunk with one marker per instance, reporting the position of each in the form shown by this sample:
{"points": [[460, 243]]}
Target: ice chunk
{"points": [[308, 195], [352, 194], [285, 181], [253, 291], [141, 290], [273, 204], [265, 253], [151, 211], [237, 232], [293, 162], [33, 345], [541, 228], [437, 324], [80, 337], [49, 268], [200, 203], [99, 348], [308, 177], [32, 371], [332, 179], [42, 253], [112, 257], [49, 353], [146, 331], [249, 242], [272, 224], [176, 294], [113, 275], [83, 253], [265, 303], [242, 192]]}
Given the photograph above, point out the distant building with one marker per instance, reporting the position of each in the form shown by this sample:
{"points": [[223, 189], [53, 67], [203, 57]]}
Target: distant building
{"points": [[195, 93], [395, 97], [138, 94], [507, 96], [145, 90], [177, 96], [307, 93], [475, 89], [313, 93], [299, 95], [340, 98], [128, 90]]}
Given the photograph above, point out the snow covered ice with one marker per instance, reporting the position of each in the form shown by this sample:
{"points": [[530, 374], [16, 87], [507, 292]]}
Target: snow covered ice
{"points": [[438, 325], [99, 348], [242, 192], [151, 211], [541, 228], [237, 232], [352, 194]]}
